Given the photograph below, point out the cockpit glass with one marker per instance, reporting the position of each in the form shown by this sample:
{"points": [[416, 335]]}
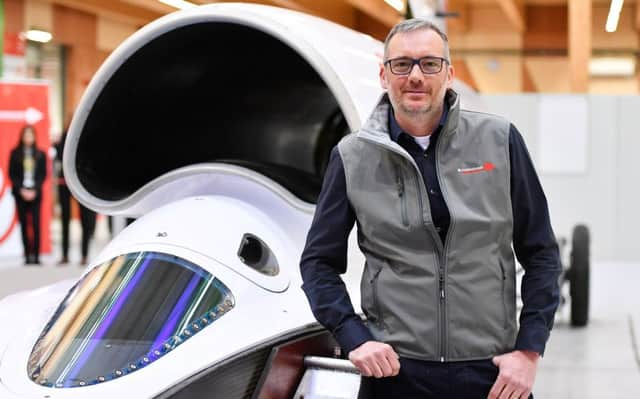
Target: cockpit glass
{"points": [[122, 316]]}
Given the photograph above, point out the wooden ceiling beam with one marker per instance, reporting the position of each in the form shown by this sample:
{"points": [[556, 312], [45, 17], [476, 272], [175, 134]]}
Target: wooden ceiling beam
{"points": [[333, 10], [459, 24], [118, 10], [378, 10], [514, 10], [290, 4], [579, 44], [151, 5]]}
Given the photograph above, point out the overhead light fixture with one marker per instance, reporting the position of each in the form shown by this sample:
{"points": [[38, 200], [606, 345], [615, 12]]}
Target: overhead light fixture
{"points": [[612, 66], [37, 35], [397, 4], [180, 4], [614, 15]]}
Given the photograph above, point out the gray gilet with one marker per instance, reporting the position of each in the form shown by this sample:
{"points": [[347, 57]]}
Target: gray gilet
{"points": [[429, 300]]}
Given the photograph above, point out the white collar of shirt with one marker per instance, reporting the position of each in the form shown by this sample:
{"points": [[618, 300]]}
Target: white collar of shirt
{"points": [[423, 141]]}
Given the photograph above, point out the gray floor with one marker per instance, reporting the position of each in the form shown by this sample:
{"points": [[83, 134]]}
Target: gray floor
{"points": [[15, 277], [599, 361]]}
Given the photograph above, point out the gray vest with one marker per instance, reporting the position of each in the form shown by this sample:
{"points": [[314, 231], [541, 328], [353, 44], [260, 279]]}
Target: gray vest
{"points": [[428, 300]]}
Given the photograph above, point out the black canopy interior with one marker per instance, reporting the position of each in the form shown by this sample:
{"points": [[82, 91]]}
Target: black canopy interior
{"points": [[210, 92]]}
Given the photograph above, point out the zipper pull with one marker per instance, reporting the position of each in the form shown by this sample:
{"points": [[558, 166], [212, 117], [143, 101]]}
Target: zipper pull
{"points": [[400, 185]]}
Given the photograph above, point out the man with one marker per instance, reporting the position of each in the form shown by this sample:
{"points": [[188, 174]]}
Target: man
{"points": [[87, 216], [440, 195]]}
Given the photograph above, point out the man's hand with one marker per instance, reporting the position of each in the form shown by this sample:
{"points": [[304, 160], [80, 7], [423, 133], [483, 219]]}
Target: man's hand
{"points": [[375, 359], [516, 376]]}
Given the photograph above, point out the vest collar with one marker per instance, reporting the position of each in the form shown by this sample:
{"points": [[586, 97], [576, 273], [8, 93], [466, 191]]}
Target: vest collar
{"points": [[376, 127]]}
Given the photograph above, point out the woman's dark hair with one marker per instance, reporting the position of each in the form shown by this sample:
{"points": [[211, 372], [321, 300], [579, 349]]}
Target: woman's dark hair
{"points": [[24, 131]]}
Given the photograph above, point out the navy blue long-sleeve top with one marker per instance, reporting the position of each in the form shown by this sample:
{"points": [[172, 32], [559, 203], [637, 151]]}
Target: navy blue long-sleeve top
{"points": [[325, 253]]}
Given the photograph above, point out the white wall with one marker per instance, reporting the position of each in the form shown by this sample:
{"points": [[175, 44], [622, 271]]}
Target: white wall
{"points": [[605, 196]]}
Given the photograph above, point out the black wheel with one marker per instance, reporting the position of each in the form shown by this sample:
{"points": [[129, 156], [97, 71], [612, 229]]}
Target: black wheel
{"points": [[579, 276]]}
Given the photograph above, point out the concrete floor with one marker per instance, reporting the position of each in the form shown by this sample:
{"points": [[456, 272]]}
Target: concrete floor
{"points": [[596, 362], [601, 360], [15, 277]]}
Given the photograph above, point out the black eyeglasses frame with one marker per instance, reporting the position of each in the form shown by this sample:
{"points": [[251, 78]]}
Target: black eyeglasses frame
{"points": [[416, 61]]}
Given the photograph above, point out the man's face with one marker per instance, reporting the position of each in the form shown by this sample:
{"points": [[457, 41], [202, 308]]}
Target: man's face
{"points": [[416, 94]]}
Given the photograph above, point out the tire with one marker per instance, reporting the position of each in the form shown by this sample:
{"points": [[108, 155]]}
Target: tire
{"points": [[579, 276]]}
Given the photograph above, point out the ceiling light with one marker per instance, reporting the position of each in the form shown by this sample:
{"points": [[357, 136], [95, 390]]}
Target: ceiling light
{"points": [[612, 66], [397, 4], [614, 15], [37, 35], [180, 4]]}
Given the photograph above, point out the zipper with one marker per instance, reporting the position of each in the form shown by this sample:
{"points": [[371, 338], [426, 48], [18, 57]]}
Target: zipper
{"points": [[402, 196], [441, 282], [442, 269], [442, 309], [504, 288], [376, 302]]}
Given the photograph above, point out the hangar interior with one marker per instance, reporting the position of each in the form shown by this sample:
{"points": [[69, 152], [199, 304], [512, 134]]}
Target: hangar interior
{"points": [[519, 55]]}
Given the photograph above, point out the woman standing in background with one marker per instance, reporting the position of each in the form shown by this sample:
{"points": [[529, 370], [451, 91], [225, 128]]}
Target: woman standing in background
{"points": [[27, 171]]}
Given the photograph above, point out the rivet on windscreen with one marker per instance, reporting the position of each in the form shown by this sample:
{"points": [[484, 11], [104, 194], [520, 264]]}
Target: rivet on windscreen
{"points": [[161, 234]]}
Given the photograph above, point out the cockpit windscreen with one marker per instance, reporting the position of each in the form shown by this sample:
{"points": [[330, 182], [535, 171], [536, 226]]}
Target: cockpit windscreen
{"points": [[123, 315]]}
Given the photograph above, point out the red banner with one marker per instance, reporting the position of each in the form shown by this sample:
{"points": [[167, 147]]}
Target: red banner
{"points": [[13, 44], [20, 104]]}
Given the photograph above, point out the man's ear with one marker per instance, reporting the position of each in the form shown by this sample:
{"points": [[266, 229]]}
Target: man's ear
{"points": [[451, 73], [383, 77]]}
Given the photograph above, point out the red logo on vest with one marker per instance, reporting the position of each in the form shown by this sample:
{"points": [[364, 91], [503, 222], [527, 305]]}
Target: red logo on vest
{"points": [[487, 167]]}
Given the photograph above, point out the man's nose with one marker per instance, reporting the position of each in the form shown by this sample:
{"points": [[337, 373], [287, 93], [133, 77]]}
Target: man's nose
{"points": [[416, 75]]}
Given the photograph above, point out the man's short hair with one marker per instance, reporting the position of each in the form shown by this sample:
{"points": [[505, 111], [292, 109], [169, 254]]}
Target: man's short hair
{"points": [[414, 24]]}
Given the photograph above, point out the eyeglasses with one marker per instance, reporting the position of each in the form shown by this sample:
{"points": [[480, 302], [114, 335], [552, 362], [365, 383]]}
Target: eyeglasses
{"points": [[428, 65]]}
